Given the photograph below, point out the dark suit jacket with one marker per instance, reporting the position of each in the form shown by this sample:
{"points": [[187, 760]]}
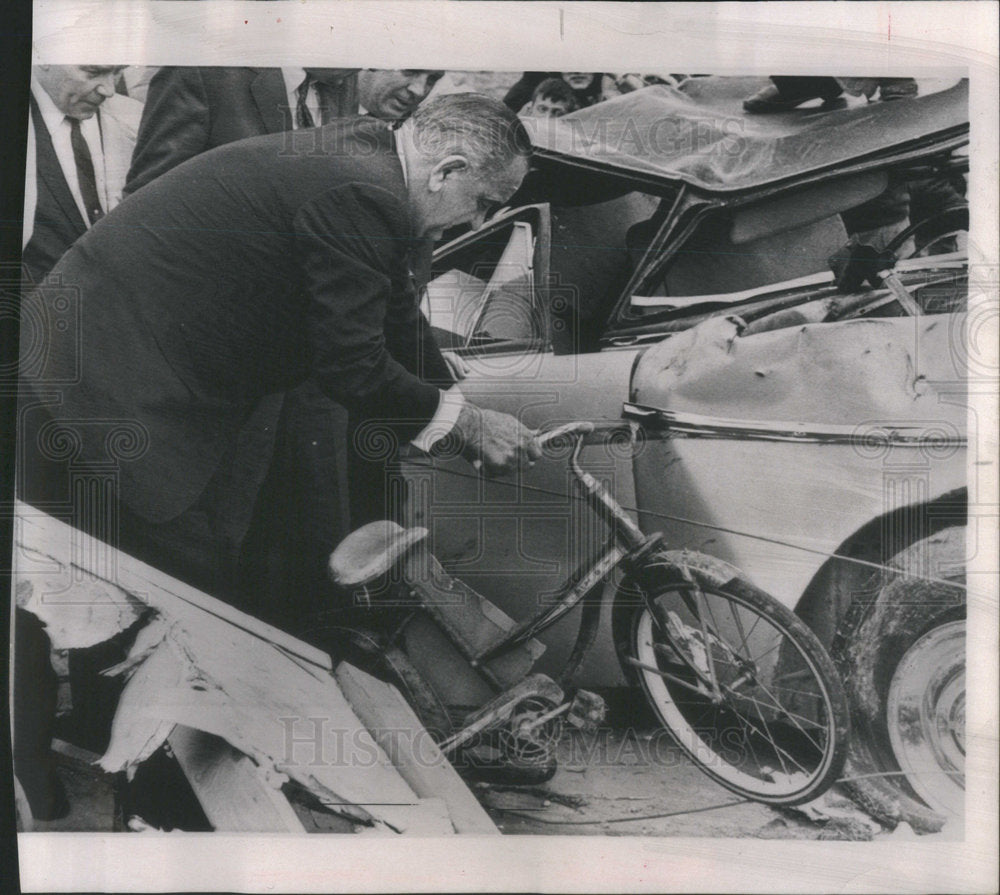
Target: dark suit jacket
{"points": [[58, 223], [239, 273], [189, 110]]}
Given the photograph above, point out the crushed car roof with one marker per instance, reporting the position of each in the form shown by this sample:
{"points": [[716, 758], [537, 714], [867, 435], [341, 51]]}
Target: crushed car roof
{"points": [[702, 136]]}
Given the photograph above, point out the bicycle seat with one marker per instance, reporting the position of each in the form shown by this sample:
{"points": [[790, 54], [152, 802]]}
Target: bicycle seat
{"points": [[368, 553]]}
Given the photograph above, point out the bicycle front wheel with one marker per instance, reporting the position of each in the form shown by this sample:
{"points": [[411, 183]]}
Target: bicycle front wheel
{"points": [[741, 684]]}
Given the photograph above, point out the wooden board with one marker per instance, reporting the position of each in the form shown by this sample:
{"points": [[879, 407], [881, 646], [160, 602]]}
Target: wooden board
{"points": [[207, 666], [415, 755], [67, 560], [233, 794]]}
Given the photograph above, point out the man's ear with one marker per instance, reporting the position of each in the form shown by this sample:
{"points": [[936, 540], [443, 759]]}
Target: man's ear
{"points": [[452, 164]]}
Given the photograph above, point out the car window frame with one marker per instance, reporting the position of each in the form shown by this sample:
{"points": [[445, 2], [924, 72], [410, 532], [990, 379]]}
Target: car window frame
{"points": [[693, 205], [538, 217]]}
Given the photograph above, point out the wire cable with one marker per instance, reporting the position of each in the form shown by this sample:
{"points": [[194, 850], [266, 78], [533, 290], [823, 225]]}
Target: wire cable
{"points": [[879, 567], [618, 820]]}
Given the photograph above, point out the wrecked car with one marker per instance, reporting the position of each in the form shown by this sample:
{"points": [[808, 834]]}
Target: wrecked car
{"points": [[667, 262]]}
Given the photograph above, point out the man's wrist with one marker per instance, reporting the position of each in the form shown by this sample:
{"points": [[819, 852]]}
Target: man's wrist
{"points": [[443, 422]]}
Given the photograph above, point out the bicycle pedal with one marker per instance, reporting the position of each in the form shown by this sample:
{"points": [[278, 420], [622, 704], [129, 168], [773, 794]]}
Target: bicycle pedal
{"points": [[586, 710]]}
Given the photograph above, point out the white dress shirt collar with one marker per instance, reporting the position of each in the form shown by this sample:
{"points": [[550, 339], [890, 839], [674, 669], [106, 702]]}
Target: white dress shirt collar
{"points": [[60, 133], [293, 78], [51, 114]]}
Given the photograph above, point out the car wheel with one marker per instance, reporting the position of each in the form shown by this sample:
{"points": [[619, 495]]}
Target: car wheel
{"points": [[902, 657]]}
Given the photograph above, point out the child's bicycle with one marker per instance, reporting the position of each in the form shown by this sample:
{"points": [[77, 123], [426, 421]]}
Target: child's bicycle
{"points": [[741, 684]]}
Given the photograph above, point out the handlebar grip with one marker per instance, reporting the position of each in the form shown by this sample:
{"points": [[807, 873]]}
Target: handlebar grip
{"points": [[578, 427]]}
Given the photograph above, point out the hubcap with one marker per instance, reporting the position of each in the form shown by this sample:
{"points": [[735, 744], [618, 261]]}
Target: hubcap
{"points": [[926, 715]]}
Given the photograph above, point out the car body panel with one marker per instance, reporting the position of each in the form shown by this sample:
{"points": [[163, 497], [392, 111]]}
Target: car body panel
{"points": [[773, 481], [804, 434], [778, 447]]}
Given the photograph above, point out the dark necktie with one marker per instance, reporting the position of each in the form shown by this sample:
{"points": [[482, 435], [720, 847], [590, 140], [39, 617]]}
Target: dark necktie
{"points": [[303, 117], [85, 172]]}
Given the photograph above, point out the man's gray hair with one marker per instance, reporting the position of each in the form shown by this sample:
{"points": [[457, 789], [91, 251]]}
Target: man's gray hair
{"points": [[482, 129]]}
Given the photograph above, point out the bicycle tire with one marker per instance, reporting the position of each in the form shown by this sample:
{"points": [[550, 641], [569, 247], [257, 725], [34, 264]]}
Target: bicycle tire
{"points": [[765, 740]]}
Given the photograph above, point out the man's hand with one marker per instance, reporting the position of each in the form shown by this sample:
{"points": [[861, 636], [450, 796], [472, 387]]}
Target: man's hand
{"points": [[459, 368], [495, 442]]}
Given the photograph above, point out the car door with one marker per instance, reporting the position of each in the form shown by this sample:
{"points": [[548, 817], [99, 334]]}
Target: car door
{"points": [[490, 303]]}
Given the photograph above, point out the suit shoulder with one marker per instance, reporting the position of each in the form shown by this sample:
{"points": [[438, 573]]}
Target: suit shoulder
{"points": [[361, 199], [229, 78]]}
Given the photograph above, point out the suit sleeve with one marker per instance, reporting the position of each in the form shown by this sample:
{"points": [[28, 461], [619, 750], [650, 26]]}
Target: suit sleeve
{"points": [[175, 125], [352, 242], [408, 332]]}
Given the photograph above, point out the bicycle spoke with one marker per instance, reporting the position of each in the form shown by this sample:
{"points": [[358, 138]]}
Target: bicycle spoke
{"points": [[749, 741], [775, 702], [768, 652], [681, 683], [779, 706], [782, 710], [791, 716], [709, 708], [739, 627], [792, 692], [707, 644], [778, 751]]}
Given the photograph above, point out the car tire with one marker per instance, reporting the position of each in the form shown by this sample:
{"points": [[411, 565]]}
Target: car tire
{"points": [[901, 653]]}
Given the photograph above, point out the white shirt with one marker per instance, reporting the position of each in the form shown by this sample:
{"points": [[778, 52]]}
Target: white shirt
{"points": [[293, 80], [59, 130], [451, 401]]}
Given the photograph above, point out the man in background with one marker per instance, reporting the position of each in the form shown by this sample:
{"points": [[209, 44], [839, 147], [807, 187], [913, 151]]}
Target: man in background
{"points": [[393, 94], [553, 98], [80, 139], [190, 110]]}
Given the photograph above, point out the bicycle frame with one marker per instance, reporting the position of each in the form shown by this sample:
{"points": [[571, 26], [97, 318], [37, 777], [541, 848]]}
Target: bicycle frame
{"points": [[627, 545], [670, 644]]}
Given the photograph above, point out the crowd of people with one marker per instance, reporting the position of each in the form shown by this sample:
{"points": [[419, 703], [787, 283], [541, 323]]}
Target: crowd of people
{"points": [[550, 94]]}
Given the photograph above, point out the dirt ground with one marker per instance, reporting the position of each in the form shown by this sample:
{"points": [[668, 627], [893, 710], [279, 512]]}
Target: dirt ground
{"points": [[609, 783], [629, 783]]}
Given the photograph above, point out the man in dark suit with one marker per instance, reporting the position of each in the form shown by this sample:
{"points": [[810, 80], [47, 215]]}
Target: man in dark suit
{"points": [[81, 135], [190, 110], [254, 267], [300, 437]]}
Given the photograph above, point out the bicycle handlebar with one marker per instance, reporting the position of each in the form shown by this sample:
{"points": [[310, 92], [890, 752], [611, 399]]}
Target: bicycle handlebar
{"points": [[578, 427], [587, 431]]}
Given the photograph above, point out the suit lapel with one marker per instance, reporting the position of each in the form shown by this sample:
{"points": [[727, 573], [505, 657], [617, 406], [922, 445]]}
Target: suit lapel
{"points": [[50, 172], [268, 91]]}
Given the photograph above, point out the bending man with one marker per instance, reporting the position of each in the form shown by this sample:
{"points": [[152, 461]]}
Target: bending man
{"points": [[244, 271]]}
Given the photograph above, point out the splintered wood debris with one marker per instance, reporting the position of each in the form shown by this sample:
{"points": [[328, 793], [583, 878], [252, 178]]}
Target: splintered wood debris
{"points": [[200, 665]]}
